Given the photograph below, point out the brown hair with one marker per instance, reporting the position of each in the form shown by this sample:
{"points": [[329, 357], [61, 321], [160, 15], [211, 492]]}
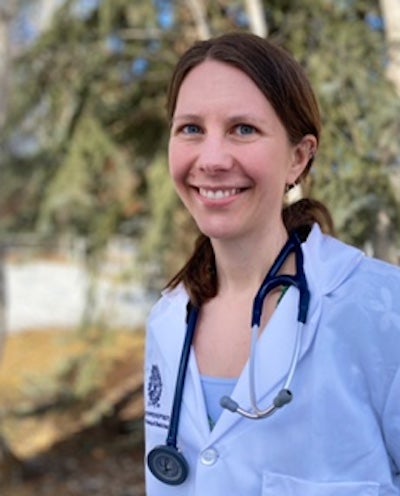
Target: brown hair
{"points": [[285, 85]]}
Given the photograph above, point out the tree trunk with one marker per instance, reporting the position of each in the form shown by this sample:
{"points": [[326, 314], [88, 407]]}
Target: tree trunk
{"points": [[5, 17], [46, 13], [256, 14], [391, 16], [2, 300]]}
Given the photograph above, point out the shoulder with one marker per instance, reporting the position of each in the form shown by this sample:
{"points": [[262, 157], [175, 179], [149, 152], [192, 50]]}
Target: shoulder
{"points": [[360, 315], [372, 269], [165, 330], [373, 280], [170, 306], [364, 313], [336, 266], [373, 292], [370, 296], [370, 286], [359, 294]]}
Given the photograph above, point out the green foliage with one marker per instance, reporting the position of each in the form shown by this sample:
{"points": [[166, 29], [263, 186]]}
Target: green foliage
{"points": [[93, 124], [163, 203], [345, 60], [170, 237], [91, 188]]}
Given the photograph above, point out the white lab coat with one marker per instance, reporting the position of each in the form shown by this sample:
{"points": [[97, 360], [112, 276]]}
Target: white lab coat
{"points": [[340, 435]]}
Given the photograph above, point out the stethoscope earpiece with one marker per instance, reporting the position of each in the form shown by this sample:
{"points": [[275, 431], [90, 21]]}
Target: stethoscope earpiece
{"points": [[228, 403], [283, 398]]}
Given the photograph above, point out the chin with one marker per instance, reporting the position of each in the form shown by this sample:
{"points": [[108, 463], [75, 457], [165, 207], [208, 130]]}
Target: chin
{"points": [[222, 228], [218, 233]]}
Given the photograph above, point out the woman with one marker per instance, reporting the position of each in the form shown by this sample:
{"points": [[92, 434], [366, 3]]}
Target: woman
{"points": [[245, 128]]}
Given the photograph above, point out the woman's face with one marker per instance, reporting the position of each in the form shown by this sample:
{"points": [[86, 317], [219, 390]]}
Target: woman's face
{"points": [[229, 154]]}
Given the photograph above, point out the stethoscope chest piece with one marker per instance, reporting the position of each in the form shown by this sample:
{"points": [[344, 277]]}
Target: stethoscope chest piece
{"points": [[168, 465]]}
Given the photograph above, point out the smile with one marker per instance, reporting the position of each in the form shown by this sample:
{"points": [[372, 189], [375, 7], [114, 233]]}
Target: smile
{"points": [[218, 194]]}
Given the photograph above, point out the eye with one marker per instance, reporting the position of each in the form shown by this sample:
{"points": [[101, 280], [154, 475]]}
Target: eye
{"points": [[190, 129], [245, 130]]}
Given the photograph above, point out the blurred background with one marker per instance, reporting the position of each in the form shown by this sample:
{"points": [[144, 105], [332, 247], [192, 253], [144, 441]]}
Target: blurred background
{"points": [[90, 227]]}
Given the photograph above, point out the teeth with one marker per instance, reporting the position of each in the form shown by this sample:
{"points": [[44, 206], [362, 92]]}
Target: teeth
{"points": [[218, 194]]}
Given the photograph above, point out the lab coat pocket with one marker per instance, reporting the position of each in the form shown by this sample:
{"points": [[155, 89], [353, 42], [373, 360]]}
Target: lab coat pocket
{"points": [[285, 485]]}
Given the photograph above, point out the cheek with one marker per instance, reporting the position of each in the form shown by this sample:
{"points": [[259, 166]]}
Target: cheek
{"points": [[177, 169]]}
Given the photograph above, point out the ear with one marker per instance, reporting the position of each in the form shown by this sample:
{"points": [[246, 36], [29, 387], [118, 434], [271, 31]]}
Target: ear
{"points": [[303, 153]]}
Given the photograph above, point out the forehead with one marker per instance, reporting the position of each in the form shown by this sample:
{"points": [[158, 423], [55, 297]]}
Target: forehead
{"points": [[215, 84]]}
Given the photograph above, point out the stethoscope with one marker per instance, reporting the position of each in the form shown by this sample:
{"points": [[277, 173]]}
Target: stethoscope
{"points": [[166, 462]]}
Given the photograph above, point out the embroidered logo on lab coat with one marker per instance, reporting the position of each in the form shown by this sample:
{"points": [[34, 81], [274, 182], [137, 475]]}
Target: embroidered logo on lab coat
{"points": [[154, 387]]}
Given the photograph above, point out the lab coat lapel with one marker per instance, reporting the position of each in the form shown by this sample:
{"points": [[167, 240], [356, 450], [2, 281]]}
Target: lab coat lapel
{"points": [[169, 322], [173, 323], [194, 400]]}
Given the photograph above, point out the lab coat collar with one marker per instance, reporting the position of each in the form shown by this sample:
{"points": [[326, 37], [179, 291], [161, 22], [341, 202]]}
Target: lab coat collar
{"points": [[328, 262]]}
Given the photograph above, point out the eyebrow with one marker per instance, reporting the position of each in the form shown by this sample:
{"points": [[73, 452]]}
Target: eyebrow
{"points": [[246, 117], [185, 117], [232, 119]]}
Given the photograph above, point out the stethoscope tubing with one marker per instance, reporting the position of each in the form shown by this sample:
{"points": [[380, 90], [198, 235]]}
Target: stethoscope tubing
{"points": [[278, 402], [193, 313], [272, 280]]}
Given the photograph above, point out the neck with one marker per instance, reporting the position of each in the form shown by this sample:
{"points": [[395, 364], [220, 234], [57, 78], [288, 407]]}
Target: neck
{"points": [[242, 264]]}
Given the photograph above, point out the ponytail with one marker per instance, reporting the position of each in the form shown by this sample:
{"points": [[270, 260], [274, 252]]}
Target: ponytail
{"points": [[199, 274], [304, 213]]}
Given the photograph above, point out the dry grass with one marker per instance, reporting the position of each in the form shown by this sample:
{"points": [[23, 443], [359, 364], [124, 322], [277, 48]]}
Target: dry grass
{"points": [[30, 372]]}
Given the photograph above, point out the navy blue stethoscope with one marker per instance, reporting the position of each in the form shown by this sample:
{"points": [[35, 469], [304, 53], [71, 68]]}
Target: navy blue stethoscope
{"points": [[166, 462]]}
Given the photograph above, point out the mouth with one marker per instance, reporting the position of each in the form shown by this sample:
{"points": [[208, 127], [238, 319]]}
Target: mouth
{"points": [[219, 193]]}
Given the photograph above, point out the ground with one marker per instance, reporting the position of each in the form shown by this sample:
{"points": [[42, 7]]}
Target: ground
{"points": [[100, 462], [59, 447]]}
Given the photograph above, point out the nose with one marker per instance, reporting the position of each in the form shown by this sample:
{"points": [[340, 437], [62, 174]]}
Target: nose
{"points": [[214, 155]]}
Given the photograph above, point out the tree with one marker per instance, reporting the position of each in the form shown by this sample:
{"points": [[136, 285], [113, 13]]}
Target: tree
{"points": [[82, 82]]}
